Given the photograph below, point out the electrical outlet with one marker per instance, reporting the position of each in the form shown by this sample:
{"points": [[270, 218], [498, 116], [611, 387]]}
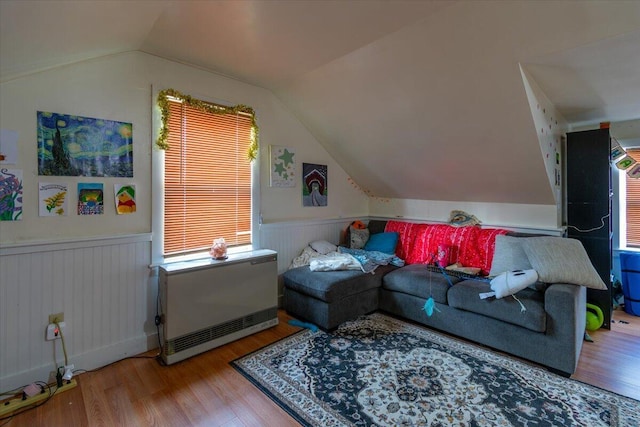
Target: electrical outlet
{"points": [[58, 317], [54, 331]]}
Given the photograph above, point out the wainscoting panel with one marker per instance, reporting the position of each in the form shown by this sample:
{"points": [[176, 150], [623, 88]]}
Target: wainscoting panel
{"points": [[290, 238], [102, 286]]}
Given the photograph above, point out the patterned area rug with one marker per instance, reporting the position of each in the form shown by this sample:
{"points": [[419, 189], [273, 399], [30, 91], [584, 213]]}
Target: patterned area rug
{"points": [[381, 371]]}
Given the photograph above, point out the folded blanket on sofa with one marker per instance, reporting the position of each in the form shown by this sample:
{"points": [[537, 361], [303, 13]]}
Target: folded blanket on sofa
{"points": [[370, 260], [344, 259], [335, 262]]}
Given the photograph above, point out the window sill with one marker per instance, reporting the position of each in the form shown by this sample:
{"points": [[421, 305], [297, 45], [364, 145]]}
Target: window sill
{"points": [[201, 255], [627, 250]]}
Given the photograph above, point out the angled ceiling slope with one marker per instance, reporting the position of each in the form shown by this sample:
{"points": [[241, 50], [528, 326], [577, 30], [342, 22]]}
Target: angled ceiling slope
{"points": [[270, 43], [438, 109], [37, 35], [418, 100], [593, 82]]}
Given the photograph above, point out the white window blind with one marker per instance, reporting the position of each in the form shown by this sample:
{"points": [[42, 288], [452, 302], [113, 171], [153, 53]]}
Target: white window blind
{"points": [[207, 184], [633, 204]]}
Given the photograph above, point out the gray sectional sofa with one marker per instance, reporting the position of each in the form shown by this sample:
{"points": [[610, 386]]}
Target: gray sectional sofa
{"points": [[549, 332]]}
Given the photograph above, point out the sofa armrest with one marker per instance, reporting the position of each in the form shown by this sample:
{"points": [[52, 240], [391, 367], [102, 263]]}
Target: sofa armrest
{"points": [[565, 306], [567, 303]]}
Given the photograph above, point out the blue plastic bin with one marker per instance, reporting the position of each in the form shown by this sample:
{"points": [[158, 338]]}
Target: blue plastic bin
{"points": [[630, 268]]}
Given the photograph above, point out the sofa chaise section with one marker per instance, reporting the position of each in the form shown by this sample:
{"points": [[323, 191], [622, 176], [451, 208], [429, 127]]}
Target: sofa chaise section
{"points": [[329, 298]]}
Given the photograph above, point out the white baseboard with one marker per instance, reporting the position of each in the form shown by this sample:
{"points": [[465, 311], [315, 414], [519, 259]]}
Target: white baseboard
{"points": [[87, 361]]}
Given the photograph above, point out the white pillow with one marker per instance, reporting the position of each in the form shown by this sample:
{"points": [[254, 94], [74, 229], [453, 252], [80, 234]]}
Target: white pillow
{"points": [[561, 260], [509, 255], [510, 282], [323, 247]]}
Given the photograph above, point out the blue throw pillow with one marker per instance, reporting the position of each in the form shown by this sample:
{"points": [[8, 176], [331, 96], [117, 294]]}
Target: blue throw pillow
{"points": [[382, 242]]}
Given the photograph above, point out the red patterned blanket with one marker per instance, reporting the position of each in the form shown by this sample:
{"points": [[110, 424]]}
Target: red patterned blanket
{"points": [[470, 246]]}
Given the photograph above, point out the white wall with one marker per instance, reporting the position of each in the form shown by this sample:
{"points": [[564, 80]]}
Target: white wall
{"points": [[111, 88], [102, 286], [48, 264], [550, 127], [509, 215]]}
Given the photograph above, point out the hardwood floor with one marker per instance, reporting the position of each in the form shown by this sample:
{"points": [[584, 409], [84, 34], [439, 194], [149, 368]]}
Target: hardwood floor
{"points": [[206, 391], [612, 361]]}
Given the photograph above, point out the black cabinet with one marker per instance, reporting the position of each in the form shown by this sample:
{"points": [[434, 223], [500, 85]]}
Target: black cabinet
{"points": [[589, 206]]}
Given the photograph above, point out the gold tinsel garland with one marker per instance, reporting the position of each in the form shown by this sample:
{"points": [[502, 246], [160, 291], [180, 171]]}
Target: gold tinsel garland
{"points": [[163, 104]]}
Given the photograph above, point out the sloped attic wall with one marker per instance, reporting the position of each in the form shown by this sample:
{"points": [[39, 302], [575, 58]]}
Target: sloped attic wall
{"points": [[435, 117], [550, 126], [433, 111]]}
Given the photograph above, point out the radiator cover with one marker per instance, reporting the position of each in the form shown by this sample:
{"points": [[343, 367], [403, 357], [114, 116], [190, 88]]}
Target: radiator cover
{"points": [[208, 303]]}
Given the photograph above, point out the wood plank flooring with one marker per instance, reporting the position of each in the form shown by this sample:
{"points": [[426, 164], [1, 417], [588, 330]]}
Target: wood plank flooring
{"points": [[206, 391], [612, 361]]}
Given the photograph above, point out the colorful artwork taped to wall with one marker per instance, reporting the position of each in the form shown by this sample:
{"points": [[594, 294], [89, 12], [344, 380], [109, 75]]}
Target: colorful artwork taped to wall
{"points": [[625, 163], [8, 147], [617, 152], [84, 146], [314, 185], [90, 198], [53, 199], [283, 166], [10, 194], [125, 198], [634, 171]]}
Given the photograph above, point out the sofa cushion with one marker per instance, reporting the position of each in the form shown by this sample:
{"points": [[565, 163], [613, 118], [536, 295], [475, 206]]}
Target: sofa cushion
{"points": [[416, 280], [465, 296], [333, 286], [509, 255], [382, 242], [358, 238], [376, 226], [560, 260]]}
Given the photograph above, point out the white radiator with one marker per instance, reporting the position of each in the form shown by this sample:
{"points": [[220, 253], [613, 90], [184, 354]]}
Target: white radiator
{"points": [[208, 303]]}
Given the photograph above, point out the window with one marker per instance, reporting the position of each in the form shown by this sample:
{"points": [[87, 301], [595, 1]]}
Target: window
{"points": [[633, 204], [207, 177]]}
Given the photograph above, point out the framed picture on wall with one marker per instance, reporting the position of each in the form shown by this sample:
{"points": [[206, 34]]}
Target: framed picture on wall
{"points": [[83, 146], [314, 184], [283, 166]]}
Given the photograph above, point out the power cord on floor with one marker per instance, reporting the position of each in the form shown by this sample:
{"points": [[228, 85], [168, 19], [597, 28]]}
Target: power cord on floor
{"points": [[44, 386], [82, 371], [53, 388]]}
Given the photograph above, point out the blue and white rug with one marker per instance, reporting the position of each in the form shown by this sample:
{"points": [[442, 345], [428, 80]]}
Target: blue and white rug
{"points": [[381, 371]]}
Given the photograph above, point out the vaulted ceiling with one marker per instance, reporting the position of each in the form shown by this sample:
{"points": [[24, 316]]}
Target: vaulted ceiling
{"points": [[414, 99]]}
